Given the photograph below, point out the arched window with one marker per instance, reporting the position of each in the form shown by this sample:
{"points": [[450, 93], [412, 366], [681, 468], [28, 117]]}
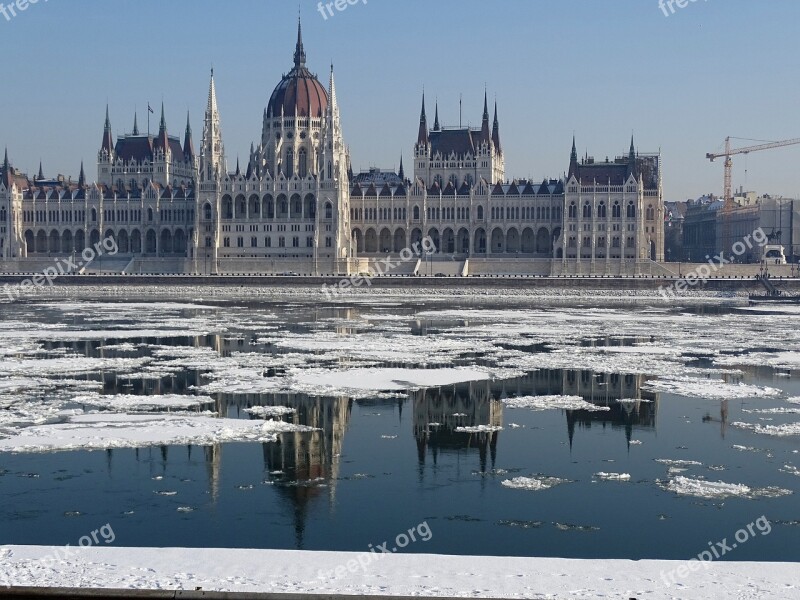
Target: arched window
{"points": [[480, 213], [303, 163], [289, 163], [616, 210], [601, 211], [631, 210], [150, 214], [330, 170], [454, 180], [94, 215], [587, 211], [3, 214], [573, 211], [651, 213], [207, 211], [328, 211], [416, 213]]}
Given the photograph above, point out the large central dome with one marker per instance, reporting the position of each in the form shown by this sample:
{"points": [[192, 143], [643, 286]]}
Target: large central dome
{"points": [[299, 94]]}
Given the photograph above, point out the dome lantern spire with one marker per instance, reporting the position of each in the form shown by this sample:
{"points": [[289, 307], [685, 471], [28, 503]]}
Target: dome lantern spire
{"points": [[299, 53]]}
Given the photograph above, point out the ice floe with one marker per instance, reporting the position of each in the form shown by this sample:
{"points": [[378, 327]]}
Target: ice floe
{"points": [[129, 403], [711, 389], [553, 402], [342, 382], [479, 429], [700, 488], [270, 411], [786, 429], [534, 484], [613, 476], [104, 430]]}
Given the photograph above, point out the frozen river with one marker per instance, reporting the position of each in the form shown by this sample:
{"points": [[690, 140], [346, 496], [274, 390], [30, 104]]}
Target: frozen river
{"points": [[526, 426]]}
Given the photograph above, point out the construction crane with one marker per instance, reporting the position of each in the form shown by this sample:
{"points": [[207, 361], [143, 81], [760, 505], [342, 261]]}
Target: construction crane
{"points": [[727, 208], [729, 152]]}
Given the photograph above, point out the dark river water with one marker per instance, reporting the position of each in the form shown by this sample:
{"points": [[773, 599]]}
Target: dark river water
{"points": [[379, 466]]}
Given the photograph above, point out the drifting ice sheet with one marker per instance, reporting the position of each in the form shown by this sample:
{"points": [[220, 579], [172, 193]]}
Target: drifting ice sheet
{"points": [[327, 382], [700, 488], [103, 431], [553, 402]]}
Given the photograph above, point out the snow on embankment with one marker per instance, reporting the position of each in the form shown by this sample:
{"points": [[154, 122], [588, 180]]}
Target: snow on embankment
{"points": [[393, 574]]}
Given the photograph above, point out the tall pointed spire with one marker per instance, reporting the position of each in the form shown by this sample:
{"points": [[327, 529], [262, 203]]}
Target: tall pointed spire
{"points": [[6, 170], [82, 177], [436, 126], [299, 52], [162, 127], [573, 159], [422, 138], [238, 170], [212, 95], [632, 159], [401, 174], [108, 139], [135, 123], [333, 103], [496, 132], [485, 133], [188, 145], [40, 176], [249, 173], [212, 156]]}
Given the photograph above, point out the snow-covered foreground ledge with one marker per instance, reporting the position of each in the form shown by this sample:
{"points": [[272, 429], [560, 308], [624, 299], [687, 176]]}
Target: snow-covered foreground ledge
{"points": [[276, 571]]}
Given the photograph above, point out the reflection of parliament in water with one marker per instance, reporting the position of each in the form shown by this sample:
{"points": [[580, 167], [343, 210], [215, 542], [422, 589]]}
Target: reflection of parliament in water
{"points": [[480, 403], [304, 465]]}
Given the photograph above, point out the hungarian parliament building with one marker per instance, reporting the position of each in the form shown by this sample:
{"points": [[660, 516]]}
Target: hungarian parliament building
{"points": [[298, 206]]}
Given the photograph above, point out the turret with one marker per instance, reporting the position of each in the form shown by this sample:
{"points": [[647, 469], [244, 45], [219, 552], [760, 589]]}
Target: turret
{"points": [[188, 145], [422, 137], [6, 170], [107, 145], [485, 133], [162, 140], [212, 156], [496, 132], [573, 160]]}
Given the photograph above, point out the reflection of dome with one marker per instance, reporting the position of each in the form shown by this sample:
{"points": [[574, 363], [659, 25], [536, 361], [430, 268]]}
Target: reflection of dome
{"points": [[299, 94]]}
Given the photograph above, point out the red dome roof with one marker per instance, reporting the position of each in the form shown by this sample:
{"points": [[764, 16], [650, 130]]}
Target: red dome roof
{"points": [[299, 94]]}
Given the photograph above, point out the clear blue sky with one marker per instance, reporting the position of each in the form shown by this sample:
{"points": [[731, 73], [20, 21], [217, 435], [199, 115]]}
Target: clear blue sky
{"points": [[599, 68]]}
